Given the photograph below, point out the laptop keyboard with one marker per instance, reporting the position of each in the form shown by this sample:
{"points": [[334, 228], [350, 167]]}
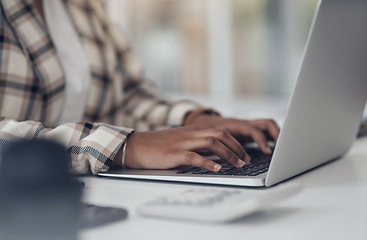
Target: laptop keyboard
{"points": [[259, 164]]}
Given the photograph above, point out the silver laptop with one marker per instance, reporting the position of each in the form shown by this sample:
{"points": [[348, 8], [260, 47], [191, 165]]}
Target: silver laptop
{"points": [[324, 112]]}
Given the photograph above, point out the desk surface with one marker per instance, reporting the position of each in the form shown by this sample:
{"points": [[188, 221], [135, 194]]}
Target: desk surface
{"points": [[332, 206]]}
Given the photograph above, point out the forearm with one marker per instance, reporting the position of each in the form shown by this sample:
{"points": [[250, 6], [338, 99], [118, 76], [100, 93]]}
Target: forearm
{"points": [[93, 146], [149, 110]]}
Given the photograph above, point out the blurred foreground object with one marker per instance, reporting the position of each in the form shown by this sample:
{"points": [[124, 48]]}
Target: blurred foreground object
{"points": [[363, 129], [38, 198]]}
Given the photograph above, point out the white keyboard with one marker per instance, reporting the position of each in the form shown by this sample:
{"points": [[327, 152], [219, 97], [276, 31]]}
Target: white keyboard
{"points": [[216, 205]]}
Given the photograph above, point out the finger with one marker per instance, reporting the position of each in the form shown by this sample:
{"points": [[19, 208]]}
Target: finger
{"points": [[268, 125], [227, 139], [246, 128], [194, 159], [273, 130], [215, 146], [259, 137]]}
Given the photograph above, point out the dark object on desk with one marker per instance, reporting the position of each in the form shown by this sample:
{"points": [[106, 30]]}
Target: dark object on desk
{"points": [[363, 129], [38, 198], [93, 216], [81, 184]]}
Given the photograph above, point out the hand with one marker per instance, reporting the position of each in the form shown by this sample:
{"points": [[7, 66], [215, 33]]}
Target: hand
{"points": [[181, 146], [260, 130]]}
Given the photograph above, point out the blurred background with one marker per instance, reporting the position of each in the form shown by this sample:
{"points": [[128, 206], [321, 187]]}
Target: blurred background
{"points": [[227, 47]]}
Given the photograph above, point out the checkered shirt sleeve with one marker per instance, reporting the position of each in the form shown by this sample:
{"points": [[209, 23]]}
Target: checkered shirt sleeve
{"points": [[32, 86], [87, 151]]}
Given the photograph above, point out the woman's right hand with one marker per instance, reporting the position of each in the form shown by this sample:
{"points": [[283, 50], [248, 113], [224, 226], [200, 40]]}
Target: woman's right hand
{"points": [[181, 146]]}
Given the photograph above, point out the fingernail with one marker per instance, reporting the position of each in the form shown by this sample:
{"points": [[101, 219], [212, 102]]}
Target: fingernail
{"points": [[217, 167], [241, 163]]}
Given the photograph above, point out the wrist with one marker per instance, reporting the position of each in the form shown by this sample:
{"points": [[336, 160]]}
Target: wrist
{"points": [[119, 159]]}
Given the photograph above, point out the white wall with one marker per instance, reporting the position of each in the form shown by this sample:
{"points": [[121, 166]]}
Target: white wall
{"points": [[215, 65]]}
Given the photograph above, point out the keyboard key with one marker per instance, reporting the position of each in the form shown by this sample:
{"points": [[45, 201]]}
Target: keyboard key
{"points": [[243, 172], [232, 171], [201, 171], [186, 170]]}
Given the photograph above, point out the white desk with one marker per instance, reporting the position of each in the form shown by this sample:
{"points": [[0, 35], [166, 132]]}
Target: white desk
{"points": [[333, 205]]}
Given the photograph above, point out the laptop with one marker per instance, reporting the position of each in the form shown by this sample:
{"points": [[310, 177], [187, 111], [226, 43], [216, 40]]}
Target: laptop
{"points": [[324, 112]]}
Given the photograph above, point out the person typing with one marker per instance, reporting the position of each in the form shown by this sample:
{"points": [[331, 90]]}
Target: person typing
{"points": [[68, 74]]}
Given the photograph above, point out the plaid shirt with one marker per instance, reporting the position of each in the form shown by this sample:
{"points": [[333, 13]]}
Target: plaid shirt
{"points": [[32, 85]]}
